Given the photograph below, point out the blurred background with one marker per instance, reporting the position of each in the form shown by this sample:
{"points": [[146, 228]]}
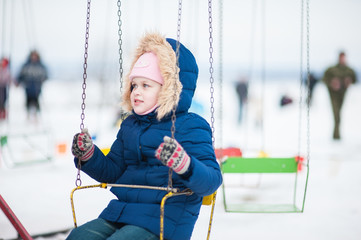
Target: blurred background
{"points": [[57, 30], [264, 42]]}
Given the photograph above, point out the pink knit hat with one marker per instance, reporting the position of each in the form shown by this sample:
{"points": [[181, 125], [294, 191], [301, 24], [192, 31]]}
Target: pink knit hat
{"points": [[147, 66]]}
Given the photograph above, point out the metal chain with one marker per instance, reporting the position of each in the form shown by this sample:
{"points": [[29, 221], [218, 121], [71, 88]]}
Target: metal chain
{"points": [[300, 101], [211, 70], [120, 41], [301, 83], [220, 111], [211, 80], [220, 130], [307, 84], [308, 142], [85, 66], [2, 40], [263, 74], [179, 23], [308, 80]]}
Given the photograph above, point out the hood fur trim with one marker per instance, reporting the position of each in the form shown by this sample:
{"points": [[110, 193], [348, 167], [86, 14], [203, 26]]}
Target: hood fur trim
{"points": [[172, 87]]}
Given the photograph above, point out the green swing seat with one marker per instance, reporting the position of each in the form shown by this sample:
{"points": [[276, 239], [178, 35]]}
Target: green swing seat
{"points": [[266, 165]]}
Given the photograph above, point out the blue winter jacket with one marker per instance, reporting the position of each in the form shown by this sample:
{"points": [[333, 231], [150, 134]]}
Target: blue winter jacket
{"points": [[132, 160], [32, 76]]}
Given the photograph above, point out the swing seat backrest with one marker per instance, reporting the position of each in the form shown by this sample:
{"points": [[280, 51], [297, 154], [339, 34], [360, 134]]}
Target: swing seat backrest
{"points": [[227, 152], [259, 165], [3, 140], [208, 200]]}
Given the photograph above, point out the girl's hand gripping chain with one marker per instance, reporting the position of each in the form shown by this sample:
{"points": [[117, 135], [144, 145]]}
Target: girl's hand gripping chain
{"points": [[172, 154], [83, 147]]}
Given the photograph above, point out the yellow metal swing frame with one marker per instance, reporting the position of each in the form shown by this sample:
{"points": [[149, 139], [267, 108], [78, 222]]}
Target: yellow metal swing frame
{"points": [[207, 200]]}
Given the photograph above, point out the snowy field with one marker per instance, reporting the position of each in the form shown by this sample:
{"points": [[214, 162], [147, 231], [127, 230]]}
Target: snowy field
{"points": [[39, 193]]}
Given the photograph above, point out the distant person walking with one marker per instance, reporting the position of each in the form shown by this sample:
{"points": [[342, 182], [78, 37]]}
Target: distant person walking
{"points": [[32, 75], [242, 92], [337, 79], [5, 80], [311, 86]]}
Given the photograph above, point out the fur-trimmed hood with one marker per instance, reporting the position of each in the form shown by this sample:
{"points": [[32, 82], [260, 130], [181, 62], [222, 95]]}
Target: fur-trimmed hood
{"points": [[178, 89]]}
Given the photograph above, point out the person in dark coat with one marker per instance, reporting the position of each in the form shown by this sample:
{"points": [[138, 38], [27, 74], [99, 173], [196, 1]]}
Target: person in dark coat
{"points": [[32, 76], [311, 86], [144, 151], [242, 93], [338, 78], [285, 100], [5, 81]]}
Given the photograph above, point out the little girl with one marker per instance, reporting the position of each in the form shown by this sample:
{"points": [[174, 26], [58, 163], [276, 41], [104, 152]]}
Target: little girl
{"points": [[143, 151]]}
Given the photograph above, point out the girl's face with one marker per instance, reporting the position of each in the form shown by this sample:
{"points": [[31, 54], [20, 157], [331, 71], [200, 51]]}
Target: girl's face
{"points": [[144, 95]]}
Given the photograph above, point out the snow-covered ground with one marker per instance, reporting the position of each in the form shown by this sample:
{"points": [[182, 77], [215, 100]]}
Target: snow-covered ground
{"points": [[39, 193]]}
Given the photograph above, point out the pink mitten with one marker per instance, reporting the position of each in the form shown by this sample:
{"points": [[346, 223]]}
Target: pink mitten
{"points": [[83, 147], [172, 154]]}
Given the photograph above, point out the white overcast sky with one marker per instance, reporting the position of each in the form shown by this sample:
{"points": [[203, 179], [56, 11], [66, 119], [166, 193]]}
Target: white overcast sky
{"points": [[57, 30]]}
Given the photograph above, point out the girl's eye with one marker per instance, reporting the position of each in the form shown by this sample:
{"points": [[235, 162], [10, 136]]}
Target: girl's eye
{"points": [[133, 86], [145, 85]]}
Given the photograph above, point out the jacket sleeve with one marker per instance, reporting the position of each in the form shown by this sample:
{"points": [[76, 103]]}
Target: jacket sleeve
{"points": [[327, 76], [44, 74], [353, 76], [105, 168], [204, 176], [21, 77]]}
